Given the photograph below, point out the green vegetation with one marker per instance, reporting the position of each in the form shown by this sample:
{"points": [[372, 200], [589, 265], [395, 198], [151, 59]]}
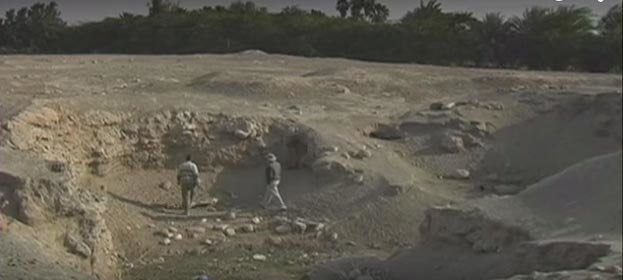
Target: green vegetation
{"points": [[565, 38]]}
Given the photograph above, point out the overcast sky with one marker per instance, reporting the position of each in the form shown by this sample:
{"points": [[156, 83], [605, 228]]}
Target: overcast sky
{"points": [[89, 10]]}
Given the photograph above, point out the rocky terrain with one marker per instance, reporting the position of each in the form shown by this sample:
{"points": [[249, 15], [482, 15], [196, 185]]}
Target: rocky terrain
{"points": [[392, 171]]}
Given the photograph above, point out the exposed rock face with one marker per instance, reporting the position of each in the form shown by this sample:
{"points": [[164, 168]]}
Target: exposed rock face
{"points": [[470, 228], [44, 201]]}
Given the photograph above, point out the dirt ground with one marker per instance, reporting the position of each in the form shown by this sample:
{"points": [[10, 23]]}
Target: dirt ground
{"points": [[390, 170]]}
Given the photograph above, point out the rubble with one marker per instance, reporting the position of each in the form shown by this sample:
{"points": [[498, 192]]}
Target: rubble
{"points": [[259, 257]]}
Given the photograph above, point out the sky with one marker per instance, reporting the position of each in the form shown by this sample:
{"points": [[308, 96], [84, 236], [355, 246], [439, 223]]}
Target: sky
{"points": [[76, 11]]}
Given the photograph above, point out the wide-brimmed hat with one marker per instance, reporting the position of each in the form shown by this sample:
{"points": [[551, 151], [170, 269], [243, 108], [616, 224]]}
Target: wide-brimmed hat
{"points": [[271, 157]]}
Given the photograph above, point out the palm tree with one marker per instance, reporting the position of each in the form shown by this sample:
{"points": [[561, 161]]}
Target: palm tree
{"points": [[342, 7], [492, 34]]}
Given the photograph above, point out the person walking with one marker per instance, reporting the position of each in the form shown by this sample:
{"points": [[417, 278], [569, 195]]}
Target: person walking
{"points": [[188, 180], [273, 178]]}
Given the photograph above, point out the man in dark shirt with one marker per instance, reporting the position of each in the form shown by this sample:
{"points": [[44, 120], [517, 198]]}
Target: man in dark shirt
{"points": [[273, 177]]}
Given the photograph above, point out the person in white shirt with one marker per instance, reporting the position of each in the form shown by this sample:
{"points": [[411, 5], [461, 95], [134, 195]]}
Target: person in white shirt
{"points": [[188, 180]]}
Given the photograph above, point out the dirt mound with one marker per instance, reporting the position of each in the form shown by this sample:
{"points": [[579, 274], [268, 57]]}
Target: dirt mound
{"points": [[71, 217], [249, 83], [549, 227]]}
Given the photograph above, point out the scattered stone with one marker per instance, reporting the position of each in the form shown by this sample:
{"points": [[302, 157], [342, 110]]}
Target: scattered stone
{"points": [[166, 185], [334, 236], [351, 243], [204, 220], [394, 190], [452, 144], [259, 257], [461, 174], [283, 229], [299, 226], [231, 215], [229, 232], [178, 236], [165, 241], [172, 229], [361, 154], [436, 106], [198, 230], [614, 269], [342, 89], [248, 228], [220, 227], [77, 247], [359, 179], [201, 277], [597, 268], [241, 134], [58, 166], [208, 242], [274, 241], [256, 220]]}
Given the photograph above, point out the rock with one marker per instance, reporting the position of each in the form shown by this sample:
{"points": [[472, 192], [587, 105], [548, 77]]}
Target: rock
{"points": [[229, 232], [598, 268], [58, 166], [274, 241], [231, 215], [248, 228], [259, 257], [300, 227], [220, 227], [283, 229], [461, 174], [614, 269], [208, 242], [178, 236], [387, 132], [101, 167], [361, 154], [204, 220], [342, 89], [436, 106], [394, 190], [172, 229], [351, 243], [256, 220], [241, 134], [333, 237], [452, 144], [201, 277], [359, 179], [448, 106], [77, 246], [197, 230], [166, 185], [165, 241]]}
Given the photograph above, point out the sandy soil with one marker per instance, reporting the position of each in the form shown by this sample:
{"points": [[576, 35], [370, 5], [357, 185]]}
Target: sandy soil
{"points": [[367, 153]]}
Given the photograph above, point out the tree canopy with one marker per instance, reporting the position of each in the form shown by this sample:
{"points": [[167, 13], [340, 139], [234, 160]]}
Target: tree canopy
{"points": [[563, 38]]}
